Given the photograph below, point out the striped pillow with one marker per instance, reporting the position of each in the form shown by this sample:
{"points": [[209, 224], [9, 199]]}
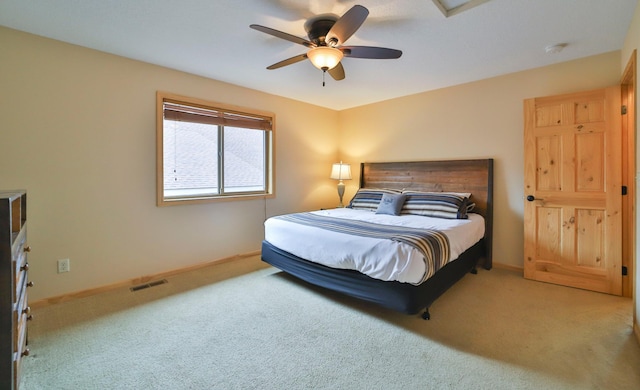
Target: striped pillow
{"points": [[449, 205], [369, 198]]}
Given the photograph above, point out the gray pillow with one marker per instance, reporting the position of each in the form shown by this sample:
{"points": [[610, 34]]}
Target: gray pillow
{"points": [[391, 204], [369, 198]]}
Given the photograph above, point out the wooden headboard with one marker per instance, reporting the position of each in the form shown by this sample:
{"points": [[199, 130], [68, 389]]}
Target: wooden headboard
{"points": [[474, 176]]}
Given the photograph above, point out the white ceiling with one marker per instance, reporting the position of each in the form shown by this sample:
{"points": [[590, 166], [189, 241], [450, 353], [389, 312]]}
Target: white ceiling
{"points": [[212, 38]]}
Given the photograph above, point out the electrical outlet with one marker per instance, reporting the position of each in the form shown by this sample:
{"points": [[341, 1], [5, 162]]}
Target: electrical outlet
{"points": [[64, 265]]}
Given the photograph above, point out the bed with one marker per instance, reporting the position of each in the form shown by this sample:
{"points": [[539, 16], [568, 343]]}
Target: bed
{"points": [[411, 296]]}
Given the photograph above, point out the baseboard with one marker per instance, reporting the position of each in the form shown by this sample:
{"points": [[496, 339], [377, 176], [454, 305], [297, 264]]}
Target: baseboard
{"points": [[508, 267], [636, 330], [133, 282]]}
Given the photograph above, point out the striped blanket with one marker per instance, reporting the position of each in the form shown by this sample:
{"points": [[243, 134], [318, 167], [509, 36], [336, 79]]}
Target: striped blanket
{"points": [[433, 245]]}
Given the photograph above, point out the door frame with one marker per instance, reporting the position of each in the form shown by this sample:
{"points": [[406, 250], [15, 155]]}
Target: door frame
{"points": [[629, 131]]}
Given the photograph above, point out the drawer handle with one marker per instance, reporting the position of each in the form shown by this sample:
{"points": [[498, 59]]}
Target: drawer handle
{"points": [[27, 310], [30, 284], [25, 267], [27, 249], [25, 352]]}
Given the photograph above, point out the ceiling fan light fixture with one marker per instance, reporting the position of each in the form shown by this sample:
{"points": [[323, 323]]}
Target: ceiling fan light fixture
{"points": [[324, 57]]}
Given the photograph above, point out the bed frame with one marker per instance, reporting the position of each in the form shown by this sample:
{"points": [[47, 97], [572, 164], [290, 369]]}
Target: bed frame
{"points": [[474, 176]]}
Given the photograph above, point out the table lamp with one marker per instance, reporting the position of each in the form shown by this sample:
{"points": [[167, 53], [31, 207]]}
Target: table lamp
{"points": [[341, 172]]}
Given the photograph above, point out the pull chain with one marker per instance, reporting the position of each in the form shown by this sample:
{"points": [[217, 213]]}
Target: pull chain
{"points": [[324, 71]]}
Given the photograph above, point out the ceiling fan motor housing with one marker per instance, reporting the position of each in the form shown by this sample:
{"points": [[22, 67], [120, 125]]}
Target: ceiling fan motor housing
{"points": [[317, 29]]}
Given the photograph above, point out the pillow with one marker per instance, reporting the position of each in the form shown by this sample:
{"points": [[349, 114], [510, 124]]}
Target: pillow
{"points": [[369, 198], [391, 204], [451, 205]]}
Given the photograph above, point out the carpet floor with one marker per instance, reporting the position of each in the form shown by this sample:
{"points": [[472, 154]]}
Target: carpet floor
{"points": [[245, 325]]}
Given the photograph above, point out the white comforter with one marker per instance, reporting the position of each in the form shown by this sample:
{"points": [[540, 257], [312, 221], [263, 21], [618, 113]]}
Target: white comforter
{"points": [[380, 259]]}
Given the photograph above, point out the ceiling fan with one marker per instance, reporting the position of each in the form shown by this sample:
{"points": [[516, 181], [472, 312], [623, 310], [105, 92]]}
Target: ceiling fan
{"points": [[327, 34]]}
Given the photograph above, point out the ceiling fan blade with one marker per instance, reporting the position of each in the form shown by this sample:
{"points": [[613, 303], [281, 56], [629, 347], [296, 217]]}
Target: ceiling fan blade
{"points": [[370, 52], [347, 25], [283, 35], [288, 61], [337, 72]]}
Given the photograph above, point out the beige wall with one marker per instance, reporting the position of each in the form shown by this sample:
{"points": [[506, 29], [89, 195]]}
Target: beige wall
{"points": [[476, 120], [631, 43], [78, 132]]}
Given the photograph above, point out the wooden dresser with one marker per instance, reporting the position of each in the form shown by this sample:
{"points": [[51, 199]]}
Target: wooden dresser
{"points": [[14, 311]]}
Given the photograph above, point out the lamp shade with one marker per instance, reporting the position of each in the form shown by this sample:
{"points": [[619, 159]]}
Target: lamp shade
{"points": [[341, 171], [324, 57]]}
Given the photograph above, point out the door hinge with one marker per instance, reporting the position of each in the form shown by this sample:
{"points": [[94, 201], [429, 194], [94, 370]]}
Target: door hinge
{"points": [[624, 190], [624, 271], [624, 110]]}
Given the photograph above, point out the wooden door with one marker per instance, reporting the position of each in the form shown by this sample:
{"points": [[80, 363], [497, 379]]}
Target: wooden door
{"points": [[573, 190]]}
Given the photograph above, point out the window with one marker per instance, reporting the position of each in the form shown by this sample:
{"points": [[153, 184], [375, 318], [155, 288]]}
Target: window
{"points": [[208, 152]]}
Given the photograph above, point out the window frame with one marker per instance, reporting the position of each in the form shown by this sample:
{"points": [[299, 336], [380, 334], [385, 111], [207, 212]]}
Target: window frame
{"points": [[269, 150]]}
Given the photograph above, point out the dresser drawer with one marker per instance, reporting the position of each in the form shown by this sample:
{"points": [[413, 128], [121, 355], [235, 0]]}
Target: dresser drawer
{"points": [[21, 337], [22, 350], [20, 264], [20, 283], [21, 315], [17, 247]]}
